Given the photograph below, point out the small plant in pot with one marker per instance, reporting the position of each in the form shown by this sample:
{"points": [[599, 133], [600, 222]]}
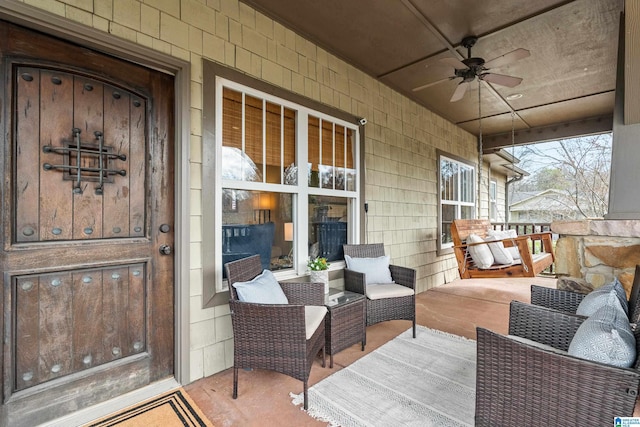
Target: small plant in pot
{"points": [[319, 271]]}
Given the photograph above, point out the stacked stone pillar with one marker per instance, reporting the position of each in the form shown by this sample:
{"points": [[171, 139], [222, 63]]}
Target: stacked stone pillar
{"points": [[594, 251]]}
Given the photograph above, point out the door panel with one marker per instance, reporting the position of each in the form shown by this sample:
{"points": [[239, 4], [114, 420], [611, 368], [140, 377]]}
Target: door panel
{"points": [[81, 120], [71, 321], [54, 122], [88, 180]]}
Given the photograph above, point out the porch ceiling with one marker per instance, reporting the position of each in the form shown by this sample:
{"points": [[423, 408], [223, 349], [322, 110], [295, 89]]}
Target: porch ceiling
{"points": [[570, 76]]}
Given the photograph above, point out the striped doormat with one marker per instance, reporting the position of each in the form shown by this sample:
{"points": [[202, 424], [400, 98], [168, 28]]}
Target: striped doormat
{"points": [[174, 408]]}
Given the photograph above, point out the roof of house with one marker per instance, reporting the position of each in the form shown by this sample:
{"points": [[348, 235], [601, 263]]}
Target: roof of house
{"points": [[546, 200]]}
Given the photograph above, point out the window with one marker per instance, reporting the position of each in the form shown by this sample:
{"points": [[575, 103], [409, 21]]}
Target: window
{"points": [[493, 200], [285, 182], [457, 195]]}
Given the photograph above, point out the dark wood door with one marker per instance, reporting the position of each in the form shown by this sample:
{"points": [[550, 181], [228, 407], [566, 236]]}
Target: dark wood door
{"points": [[87, 206]]}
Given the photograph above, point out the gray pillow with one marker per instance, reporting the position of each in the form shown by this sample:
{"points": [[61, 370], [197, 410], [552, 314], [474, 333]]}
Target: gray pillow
{"points": [[606, 337], [263, 289], [598, 298]]}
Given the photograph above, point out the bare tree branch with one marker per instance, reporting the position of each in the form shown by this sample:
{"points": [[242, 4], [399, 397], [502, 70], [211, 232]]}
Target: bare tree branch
{"points": [[578, 167]]}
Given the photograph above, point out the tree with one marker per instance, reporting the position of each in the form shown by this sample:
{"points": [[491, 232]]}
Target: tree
{"points": [[548, 178], [579, 166]]}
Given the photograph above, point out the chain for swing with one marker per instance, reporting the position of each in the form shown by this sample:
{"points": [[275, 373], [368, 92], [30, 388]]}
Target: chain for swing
{"points": [[479, 150], [513, 157], [513, 139]]}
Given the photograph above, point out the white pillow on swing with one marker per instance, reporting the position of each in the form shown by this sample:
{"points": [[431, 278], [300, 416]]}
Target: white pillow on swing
{"points": [[505, 234], [500, 254], [480, 254]]}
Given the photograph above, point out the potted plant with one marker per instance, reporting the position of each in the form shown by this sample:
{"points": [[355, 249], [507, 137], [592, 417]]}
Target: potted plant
{"points": [[319, 271]]}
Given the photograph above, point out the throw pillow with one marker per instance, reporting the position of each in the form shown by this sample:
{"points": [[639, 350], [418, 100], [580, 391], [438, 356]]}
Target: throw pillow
{"points": [[599, 297], [606, 337], [499, 252], [263, 289], [376, 269], [515, 253], [480, 254], [506, 234]]}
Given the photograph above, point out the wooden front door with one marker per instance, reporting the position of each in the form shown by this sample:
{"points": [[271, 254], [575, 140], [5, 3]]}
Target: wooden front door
{"points": [[87, 226]]}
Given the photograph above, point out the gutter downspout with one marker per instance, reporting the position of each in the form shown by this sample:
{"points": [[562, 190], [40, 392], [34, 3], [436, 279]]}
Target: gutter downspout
{"points": [[507, 217]]}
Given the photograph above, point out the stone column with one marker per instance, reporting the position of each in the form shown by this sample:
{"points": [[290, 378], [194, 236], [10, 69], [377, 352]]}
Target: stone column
{"points": [[598, 250]]}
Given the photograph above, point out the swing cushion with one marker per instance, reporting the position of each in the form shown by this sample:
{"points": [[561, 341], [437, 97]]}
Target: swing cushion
{"points": [[505, 234], [480, 254], [500, 254]]}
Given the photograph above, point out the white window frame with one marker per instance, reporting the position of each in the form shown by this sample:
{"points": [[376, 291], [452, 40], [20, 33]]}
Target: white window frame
{"points": [[301, 192], [448, 246], [493, 200]]}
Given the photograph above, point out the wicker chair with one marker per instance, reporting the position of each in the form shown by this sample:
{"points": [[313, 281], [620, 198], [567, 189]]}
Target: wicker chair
{"points": [[379, 310], [521, 384], [270, 336], [568, 301]]}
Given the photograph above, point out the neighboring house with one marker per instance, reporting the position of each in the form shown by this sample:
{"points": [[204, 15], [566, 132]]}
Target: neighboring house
{"points": [[543, 206]]}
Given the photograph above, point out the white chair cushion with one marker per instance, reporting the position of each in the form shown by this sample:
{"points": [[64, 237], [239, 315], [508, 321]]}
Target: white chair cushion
{"points": [[537, 344], [313, 317], [480, 254], [376, 270], [263, 289], [387, 290]]}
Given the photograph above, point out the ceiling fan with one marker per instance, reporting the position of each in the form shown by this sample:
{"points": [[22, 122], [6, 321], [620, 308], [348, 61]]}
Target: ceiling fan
{"points": [[470, 68]]}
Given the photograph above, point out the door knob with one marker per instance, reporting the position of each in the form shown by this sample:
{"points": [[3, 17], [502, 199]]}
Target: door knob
{"points": [[165, 249]]}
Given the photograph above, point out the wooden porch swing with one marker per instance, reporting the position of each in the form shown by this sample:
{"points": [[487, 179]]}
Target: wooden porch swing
{"points": [[529, 265]]}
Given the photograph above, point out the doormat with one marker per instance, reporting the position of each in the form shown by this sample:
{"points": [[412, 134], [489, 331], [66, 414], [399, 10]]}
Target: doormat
{"points": [[174, 408], [426, 381]]}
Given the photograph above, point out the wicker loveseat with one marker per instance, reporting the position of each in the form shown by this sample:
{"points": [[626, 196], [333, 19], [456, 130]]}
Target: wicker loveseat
{"points": [[518, 383], [521, 384]]}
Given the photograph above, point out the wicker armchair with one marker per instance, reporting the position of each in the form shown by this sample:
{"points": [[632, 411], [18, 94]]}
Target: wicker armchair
{"points": [[521, 384], [379, 310], [568, 301], [271, 336]]}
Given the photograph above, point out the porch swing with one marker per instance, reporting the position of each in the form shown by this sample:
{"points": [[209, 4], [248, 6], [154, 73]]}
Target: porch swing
{"points": [[482, 253]]}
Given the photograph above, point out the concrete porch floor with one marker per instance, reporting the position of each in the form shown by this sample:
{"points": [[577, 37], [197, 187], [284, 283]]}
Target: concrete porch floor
{"points": [[263, 396]]}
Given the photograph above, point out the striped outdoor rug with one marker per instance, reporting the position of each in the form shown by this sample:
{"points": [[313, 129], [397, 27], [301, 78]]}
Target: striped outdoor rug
{"points": [[174, 408], [427, 381]]}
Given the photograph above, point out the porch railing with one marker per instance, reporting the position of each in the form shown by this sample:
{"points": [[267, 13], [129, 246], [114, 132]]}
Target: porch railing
{"points": [[527, 228]]}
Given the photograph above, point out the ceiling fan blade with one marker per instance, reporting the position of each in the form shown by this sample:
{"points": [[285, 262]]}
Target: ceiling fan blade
{"points": [[459, 92], [507, 58], [415, 89], [455, 63], [501, 79]]}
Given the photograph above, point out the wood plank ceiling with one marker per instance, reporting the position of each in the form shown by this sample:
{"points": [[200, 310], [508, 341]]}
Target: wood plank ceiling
{"points": [[568, 81]]}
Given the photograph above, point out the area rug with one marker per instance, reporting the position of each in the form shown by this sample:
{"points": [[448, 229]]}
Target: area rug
{"points": [[427, 381], [174, 408]]}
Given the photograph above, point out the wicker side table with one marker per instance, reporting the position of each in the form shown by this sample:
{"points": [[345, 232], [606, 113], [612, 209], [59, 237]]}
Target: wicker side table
{"points": [[345, 322]]}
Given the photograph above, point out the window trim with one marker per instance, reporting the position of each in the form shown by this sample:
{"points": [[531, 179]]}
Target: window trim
{"points": [[440, 155], [211, 192], [493, 202]]}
